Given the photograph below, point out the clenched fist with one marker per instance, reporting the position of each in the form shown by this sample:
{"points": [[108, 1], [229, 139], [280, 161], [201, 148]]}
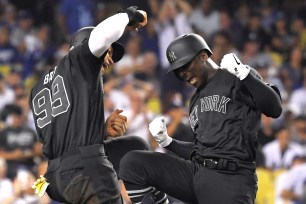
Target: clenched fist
{"points": [[137, 18], [158, 130], [231, 63]]}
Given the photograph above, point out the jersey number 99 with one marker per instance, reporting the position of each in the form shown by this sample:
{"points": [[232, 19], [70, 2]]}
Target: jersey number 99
{"points": [[50, 103]]}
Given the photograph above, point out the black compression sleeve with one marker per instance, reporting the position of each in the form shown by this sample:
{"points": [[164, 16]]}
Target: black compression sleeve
{"points": [[265, 97], [181, 148]]}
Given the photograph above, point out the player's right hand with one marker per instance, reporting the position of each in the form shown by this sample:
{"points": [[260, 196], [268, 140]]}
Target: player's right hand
{"points": [[137, 18], [116, 124], [158, 130]]}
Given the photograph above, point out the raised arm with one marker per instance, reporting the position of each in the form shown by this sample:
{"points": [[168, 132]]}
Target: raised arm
{"points": [[112, 28], [266, 97], [107, 32]]}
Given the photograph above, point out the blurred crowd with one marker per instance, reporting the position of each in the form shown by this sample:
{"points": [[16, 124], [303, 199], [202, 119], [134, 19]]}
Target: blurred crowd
{"points": [[268, 35]]}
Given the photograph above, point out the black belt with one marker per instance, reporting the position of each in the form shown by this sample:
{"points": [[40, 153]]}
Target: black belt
{"points": [[228, 165], [85, 151]]}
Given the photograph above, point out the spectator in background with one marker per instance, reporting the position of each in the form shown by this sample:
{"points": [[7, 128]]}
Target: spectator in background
{"points": [[8, 52], [149, 69], [280, 152], [23, 192], [138, 118], [75, 14], [7, 95], [281, 29], [231, 26], [25, 26], [38, 51], [6, 186], [255, 32], [299, 29], [22, 100], [290, 185], [18, 143], [297, 101], [172, 21], [205, 19], [132, 61], [13, 78], [150, 38], [299, 130], [9, 16], [291, 71], [223, 44]]}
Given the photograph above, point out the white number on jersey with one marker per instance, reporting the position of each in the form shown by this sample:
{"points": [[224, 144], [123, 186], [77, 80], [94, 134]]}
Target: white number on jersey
{"points": [[50, 103]]}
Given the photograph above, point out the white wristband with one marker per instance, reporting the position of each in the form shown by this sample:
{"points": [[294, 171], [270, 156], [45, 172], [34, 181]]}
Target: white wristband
{"points": [[166, 142]]}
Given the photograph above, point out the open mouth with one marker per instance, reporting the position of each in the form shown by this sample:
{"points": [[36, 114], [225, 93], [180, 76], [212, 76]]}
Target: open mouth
{"points": [[192, 80], [105, 65]]}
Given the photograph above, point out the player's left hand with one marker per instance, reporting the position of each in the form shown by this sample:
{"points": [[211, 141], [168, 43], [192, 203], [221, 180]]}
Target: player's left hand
{"points": [[231, 63], [116, 124]]}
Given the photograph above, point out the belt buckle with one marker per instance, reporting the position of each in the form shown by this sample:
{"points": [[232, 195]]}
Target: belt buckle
{"points": [[210, 160]]}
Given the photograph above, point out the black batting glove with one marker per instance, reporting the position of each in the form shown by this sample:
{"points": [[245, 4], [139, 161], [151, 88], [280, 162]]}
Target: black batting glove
{"points": [[135, 17]]}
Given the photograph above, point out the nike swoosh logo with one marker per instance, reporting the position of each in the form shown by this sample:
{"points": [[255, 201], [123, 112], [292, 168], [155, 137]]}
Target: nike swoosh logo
{"points": [[236, 60]]}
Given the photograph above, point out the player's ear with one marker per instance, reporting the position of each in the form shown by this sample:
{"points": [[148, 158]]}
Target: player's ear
{"points": [[203, 56]]}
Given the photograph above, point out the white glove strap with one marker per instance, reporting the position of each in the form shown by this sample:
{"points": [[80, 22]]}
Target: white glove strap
{"points": [[242, 71], [166, 142]]}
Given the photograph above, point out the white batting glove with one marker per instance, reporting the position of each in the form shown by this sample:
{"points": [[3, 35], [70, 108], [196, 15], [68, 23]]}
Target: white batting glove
{"points": [[158, 130], [231, 63]]}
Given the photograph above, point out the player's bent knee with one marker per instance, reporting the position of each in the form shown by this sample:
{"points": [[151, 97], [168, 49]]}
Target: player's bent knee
{"points": [[131, 159], [131, 164], [138, 143]]}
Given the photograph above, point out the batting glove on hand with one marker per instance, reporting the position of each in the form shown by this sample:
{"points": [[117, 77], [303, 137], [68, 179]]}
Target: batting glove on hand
{"points": [[159, 131], [231, 63], [135, 16]]}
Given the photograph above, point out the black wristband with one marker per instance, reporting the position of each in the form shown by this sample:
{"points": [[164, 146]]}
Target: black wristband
{"points": [[135, 17]]}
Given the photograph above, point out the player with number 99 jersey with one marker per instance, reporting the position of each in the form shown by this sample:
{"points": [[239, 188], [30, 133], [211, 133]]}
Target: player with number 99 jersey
{"points": [[67, 103]]}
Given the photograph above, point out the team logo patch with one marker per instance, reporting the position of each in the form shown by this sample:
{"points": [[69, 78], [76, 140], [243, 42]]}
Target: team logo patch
{"points": [[172, 56]]}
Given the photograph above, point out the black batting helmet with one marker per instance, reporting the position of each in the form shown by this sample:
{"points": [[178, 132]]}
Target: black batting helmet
{"points": [[83, 34], [184, 48]]}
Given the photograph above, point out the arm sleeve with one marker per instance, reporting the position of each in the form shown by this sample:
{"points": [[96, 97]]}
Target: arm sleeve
{"points": [[264, 95], [181, 148], [107, 32]]}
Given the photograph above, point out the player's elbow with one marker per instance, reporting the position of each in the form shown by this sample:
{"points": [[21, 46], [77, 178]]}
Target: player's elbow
{"points": [[274, 112]]}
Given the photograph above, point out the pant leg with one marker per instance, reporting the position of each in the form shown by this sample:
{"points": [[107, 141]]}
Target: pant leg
{"points": [[117, 147], [169, 174], [84, 178], [213, 186]]}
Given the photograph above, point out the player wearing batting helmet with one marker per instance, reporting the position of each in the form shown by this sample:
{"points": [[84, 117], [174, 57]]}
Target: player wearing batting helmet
{"points": [[224, 114], [68, 110]]}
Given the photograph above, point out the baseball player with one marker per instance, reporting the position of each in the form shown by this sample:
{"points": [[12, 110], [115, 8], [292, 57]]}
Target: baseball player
{"points": [[225, 110], [68, 110]]}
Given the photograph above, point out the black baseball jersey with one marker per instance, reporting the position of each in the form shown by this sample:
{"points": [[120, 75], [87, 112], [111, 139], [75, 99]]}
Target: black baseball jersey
{"points": [[225, 119], [67, 103]]}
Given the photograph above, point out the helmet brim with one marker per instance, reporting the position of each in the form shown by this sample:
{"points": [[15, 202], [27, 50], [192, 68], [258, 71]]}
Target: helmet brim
{"points": [[118, 51]]}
